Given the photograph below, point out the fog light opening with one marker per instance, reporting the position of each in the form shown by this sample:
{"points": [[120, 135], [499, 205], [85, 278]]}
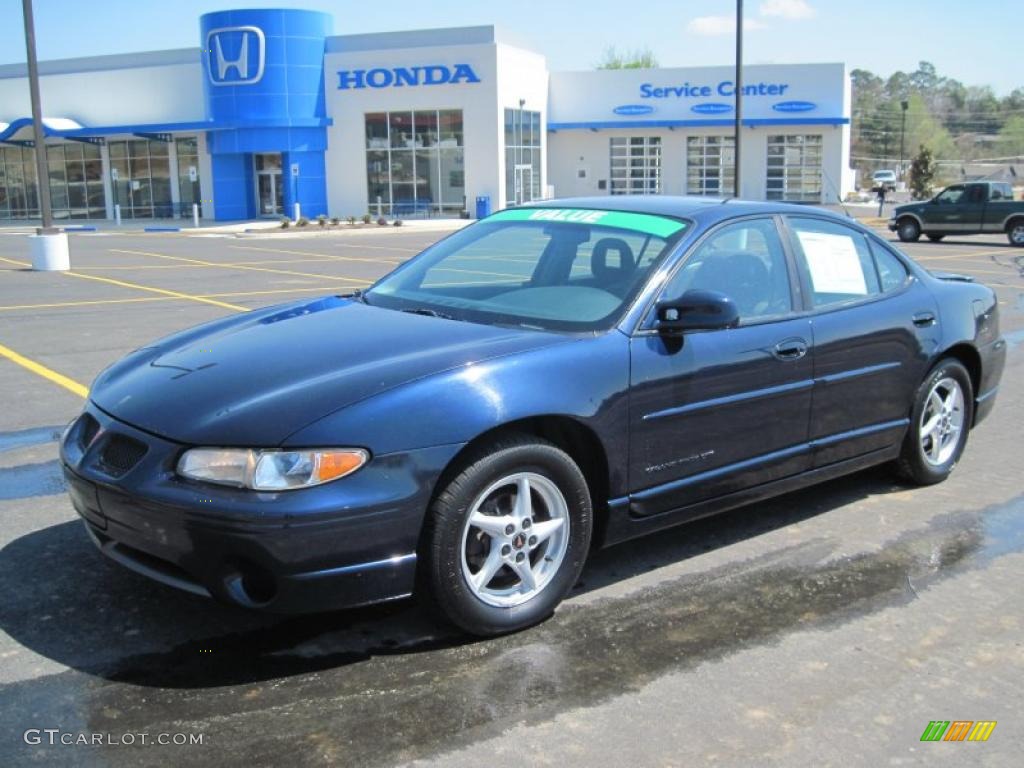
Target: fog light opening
{"points": [[251, 585]]}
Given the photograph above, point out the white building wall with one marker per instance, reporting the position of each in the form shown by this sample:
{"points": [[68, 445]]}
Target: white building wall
{"points": [[112, 90], [521, 75], [346, 142]]}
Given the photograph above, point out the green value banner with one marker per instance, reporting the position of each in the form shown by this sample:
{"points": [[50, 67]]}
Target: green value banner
{"points": [[659, 226]]}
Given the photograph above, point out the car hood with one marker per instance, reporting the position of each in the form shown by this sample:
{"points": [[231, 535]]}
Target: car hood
{"points": [[909, 208], [254, 379]]}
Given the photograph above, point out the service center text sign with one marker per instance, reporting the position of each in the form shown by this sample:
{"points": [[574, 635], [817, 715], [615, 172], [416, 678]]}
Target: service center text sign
{"points": [[397, 77]]}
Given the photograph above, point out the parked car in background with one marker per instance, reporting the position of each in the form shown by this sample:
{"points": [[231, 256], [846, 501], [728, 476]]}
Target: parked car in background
{"points": [[962, 209], [554, 378], [885, 179]]}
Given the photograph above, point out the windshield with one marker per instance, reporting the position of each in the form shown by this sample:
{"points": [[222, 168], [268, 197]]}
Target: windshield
{"points": [[546, 268]]}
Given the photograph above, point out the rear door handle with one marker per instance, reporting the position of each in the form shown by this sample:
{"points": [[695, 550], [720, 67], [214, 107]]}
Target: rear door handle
{"points": [[924, 319], [790, 349]]}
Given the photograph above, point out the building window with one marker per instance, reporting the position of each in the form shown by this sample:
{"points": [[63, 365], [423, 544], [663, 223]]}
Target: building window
{"points": [[143, 186], [794, 168], [76, 181], [415, 162], [19, 198], [710, 165], [635, 165], [522, 156], [187, 148]]}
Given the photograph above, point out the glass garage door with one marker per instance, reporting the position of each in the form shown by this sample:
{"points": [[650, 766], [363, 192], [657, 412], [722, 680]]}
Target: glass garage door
{"points": [[710, 165], [635, 165], [794, 168]]}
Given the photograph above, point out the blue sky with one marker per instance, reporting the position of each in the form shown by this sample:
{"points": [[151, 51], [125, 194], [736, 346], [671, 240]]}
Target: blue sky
{"points": [[975, 42]]}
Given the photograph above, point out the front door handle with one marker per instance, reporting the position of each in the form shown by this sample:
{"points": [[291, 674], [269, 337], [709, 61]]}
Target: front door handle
{"points": [[790, 349], [924, 319]]}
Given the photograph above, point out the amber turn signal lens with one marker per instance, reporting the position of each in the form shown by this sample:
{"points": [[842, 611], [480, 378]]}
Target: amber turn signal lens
{"points": [[332, 465]]}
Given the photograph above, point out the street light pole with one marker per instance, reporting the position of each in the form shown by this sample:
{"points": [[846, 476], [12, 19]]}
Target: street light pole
{"points": [[903, 130], [42, 176], [739, 99]]}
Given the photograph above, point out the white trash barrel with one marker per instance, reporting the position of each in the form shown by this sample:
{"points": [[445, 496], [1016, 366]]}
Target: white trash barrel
{"points": [[50, 252]]}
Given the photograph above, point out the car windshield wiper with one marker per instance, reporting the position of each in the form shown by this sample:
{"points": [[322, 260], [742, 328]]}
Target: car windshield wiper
{"points": [[428, 313]]}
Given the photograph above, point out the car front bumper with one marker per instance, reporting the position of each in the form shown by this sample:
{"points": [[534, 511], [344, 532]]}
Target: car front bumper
{"points": [[339, 545]]}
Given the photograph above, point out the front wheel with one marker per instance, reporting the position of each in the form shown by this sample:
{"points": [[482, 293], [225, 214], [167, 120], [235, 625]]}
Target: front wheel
{"points": [[908, 230], [1015, 233], [507, 537], [939, 422]]}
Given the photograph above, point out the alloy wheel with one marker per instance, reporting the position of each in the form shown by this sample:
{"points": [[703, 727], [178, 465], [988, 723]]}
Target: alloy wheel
{"points": [[514, 539], [942, 421]]}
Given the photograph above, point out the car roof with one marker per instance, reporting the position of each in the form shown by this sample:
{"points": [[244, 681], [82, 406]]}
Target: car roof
{"points": [[701, 209]]}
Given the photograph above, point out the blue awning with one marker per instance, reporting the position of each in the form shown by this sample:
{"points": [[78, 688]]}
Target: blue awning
{"points": [[67, 128]]}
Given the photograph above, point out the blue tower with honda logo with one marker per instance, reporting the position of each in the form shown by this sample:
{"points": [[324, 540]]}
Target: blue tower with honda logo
{"points": [[264, 91]]}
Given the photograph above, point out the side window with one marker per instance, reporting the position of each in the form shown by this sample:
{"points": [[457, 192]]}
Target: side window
{"points": [[976, 193], [746, 262], [836, 260], [951, 195], [891, 272]]}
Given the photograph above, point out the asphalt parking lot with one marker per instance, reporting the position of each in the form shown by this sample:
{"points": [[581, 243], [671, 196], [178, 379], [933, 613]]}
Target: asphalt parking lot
{"points": [[826, 627]]}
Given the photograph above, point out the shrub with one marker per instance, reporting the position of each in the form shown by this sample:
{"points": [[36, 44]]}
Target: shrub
{"points": [[302, 222], [397, 222], [367, 218], [382, 222], [321, 220], [335, 221], [285, 223], [351, 221]]}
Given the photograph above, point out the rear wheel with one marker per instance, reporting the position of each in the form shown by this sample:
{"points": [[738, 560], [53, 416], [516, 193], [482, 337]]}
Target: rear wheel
{"points": [[507, 536], [908, 230], [939, 422], [1015, 232], [936, 238]]}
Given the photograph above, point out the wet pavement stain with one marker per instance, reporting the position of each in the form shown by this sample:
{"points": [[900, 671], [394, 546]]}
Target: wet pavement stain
{"points": [[386, 685]]}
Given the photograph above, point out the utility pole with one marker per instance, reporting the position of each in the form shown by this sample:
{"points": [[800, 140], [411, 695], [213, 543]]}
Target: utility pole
{"points": [[49, 245], [42, 176], [903, 131], [739, 99]]}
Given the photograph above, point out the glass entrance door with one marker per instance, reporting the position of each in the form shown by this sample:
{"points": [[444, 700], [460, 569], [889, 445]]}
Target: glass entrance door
{"points": [[524, 184], [269, 184]]}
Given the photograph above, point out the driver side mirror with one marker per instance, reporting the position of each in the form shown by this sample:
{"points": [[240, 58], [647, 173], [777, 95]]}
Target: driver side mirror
{"points": [[696, 311]]}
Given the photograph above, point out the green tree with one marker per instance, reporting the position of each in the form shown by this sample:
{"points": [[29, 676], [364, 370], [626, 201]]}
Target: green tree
{"points": [[1011, 137], [641, 58], [922, 173]]}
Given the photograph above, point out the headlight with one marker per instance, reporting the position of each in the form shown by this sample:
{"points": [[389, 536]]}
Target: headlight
{"points": [[268, 470]]}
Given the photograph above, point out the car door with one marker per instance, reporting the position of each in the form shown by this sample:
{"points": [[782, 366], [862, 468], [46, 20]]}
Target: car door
{"points": [[953, 211], [874, 329], [714, 412]]}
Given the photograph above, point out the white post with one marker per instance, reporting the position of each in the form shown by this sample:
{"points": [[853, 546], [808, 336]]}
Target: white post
{"points": [[50, 252], [195, 215], [380, 211], [117, 214], [298, 212]]}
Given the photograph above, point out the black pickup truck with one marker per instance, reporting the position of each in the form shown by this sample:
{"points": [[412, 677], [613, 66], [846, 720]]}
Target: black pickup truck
{"points": [[975, 208]]}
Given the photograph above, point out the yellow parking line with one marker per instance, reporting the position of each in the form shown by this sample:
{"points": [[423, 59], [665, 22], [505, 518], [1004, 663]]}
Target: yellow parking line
{"points": [[162, 291], [252, 269], [147, 299], [202, 266], [47, 373], [968, 255], [332, 256]]}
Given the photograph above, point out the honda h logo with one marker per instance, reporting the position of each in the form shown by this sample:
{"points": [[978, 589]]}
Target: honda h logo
{"points": [[235, 55]]}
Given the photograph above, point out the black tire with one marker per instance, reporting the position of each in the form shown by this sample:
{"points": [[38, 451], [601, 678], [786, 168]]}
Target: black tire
{"points": [[442, 575], [936, 238], [1015, 232], [912, 464], [908, 230]]}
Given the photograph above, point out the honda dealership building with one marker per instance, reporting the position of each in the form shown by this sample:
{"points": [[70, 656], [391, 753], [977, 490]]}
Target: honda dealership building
{"points": [[271, 109]]}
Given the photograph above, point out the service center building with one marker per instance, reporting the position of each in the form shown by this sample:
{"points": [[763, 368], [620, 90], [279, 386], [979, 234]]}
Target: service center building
{"points": [[273, 110]]}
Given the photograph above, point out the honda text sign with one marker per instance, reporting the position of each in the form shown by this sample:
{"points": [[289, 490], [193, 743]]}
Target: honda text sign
{"points": [[235, 55]]}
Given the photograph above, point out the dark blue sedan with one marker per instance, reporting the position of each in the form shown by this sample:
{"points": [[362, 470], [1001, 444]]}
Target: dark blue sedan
{"points": [[552, 379]]}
